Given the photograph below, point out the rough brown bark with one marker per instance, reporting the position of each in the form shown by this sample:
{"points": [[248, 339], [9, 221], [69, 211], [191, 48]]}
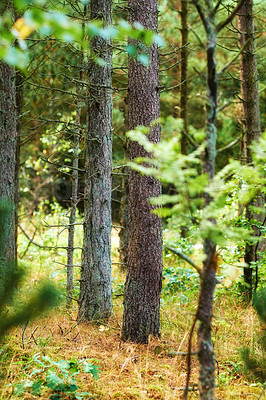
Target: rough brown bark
{"points": [[8, 156], [95, 301], [251, 120], [144, 275]]}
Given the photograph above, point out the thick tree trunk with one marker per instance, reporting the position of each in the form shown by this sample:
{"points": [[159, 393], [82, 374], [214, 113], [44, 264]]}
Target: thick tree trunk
{"points": [[8, 158], [144, 276], [95, 301], [251, 118]]}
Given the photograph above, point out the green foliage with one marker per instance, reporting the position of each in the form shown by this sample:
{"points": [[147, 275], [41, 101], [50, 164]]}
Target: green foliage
{"points": [[56, 376], [255, 358], [48, 20], [234, 185], [12, 310]]}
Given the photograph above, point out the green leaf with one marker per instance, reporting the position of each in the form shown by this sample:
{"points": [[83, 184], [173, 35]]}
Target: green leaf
{"points": [[91, 368]]}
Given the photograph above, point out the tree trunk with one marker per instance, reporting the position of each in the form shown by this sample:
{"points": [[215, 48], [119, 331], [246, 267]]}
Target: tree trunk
{"points": [[251, 119], [8, 155], [208, 276], [95, 301], [74, 201], [124, 208], [8, 158], [144, 275], [19, 105], [184, 67], [208, 279]]}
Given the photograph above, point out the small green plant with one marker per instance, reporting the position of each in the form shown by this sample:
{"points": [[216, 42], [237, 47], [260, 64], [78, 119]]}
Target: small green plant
{"points": [[58, 377], [255, 359]]}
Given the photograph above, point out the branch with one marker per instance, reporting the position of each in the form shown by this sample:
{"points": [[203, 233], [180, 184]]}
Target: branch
{"points": [[228, 146], [43, 246], [183, 257], [222, 24], [197, 36], [233, 59], [202, 16]]}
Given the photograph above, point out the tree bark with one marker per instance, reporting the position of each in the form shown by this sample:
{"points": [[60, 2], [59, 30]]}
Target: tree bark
{"points": [[184, 67], [251, 120], [74, 201], [8, 159], [95, 301], [144, 275], [19, 106], [208, 275]]}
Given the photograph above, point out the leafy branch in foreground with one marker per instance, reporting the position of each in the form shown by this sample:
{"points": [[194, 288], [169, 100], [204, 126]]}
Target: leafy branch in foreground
{"points": [[49, 21], [234, 186], [12, 311]]}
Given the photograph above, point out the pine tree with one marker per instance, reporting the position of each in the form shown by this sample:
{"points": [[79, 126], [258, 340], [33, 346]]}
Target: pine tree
{"points": [[95, 300], [144, 273]]}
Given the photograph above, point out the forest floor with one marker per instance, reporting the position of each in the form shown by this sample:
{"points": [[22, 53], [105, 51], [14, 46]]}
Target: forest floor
{"points": [[130, 371]]}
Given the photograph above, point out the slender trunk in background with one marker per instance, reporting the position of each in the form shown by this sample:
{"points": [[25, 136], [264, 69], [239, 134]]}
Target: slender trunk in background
{"points": [[251, 122], [124, 208], [19, 105], [8, 159], [95, 300], [208, 277], [74, 199], [184, 67], [144, 274]]}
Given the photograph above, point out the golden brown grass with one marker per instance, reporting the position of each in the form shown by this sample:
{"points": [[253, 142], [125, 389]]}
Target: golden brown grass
{"points": [[130, 371]]}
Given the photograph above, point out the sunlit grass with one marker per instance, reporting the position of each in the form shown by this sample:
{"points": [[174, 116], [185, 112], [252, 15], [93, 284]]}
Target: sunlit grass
{"points": [[128, 371]]}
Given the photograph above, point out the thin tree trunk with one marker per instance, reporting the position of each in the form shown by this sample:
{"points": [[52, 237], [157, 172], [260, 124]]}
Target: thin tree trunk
{"points": [[208, 279], [74, 201], [95, 301], [251, 119], [19, 105], [184, 67], [144, 274], [124, 208]]}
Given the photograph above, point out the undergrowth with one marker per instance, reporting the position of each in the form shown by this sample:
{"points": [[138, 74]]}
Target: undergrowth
{"points": [[128, 371]]}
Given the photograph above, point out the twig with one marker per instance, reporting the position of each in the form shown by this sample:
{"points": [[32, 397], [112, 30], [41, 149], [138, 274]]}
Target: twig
{"points": [[169, 322], [222, 24], [189, 356], [183, 257], [228, 146]]}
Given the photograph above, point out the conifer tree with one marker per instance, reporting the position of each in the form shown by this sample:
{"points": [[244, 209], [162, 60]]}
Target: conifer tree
{"points": [[144, 273], [95, 300]]}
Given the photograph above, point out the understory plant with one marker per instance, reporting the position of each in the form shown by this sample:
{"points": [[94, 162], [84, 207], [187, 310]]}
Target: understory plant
{"points": [[56, 378]]}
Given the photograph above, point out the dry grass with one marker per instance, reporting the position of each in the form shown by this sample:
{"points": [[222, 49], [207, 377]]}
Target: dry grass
{"points": [[130, 371]]}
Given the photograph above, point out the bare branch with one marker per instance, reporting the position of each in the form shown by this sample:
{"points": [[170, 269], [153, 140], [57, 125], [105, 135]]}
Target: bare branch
{"points": [[202, 15], [222, 24], [233, 59], [183, 257], [228, 146]]}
